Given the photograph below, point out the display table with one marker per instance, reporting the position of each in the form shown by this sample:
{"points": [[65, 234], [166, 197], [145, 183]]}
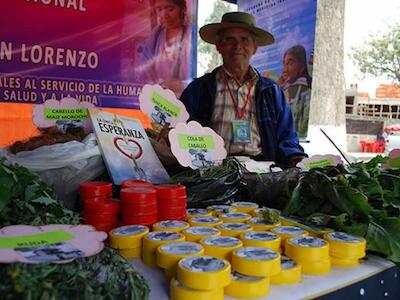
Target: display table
{"points": [[373, 276]]}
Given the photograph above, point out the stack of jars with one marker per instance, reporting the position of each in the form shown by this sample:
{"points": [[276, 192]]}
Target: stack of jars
{"points": [[171, 199], [100, 209], [345, 249], [138, 206], [253, 267], [95, 190], [128, 240], [311, 253]]}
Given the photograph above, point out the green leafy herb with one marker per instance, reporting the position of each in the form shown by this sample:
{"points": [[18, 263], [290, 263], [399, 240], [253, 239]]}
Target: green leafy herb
{"points": [[271, 216], [25, 199], [361, 199]]}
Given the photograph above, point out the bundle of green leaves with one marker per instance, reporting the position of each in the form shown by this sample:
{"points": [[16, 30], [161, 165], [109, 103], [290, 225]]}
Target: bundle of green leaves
{"points": [[361, 199], [25, 199]]}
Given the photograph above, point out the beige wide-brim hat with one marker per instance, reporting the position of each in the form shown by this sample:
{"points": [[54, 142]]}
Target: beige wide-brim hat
{"points": [[236, 19]]}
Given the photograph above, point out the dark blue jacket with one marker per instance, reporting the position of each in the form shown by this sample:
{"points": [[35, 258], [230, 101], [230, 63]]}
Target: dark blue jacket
{"points": [[279, 140]]}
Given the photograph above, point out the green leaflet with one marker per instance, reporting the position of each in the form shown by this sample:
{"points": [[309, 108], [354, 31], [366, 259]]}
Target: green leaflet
{"points": [[5, 196], [357, 229], [383, 236], [394, 162], [7, 180], [44, 200], [358, 202], [294, 204], [319, 219], [372, 189], [374, 162]]}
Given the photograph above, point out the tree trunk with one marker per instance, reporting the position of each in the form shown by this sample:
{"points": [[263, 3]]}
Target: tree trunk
{"points": [[327, 107]]}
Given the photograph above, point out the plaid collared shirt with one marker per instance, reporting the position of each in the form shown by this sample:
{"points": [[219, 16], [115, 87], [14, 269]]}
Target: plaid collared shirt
{"points": [[224, 112]]}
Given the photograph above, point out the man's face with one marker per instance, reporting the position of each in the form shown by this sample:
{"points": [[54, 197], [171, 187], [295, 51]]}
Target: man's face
{"points": [[236, 46]]}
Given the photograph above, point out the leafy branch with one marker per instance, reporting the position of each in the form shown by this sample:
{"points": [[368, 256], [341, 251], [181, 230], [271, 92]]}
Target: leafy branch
{"points": [[25, 199], [380, 55]]}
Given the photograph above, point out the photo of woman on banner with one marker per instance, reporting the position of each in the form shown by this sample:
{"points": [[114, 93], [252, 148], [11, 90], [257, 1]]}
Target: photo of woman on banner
{"points": [[296, 84], [164, 58]]}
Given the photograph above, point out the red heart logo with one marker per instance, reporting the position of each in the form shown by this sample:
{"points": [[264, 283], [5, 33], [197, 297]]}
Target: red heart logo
{"points": [[128, 148]]}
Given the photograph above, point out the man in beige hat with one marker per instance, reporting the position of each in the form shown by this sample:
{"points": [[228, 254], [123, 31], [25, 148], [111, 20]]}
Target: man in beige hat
{"points": [[249, 111]]}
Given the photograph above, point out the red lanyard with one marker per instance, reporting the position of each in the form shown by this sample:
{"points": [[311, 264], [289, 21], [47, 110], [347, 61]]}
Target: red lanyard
{"points": [[239, 114]]}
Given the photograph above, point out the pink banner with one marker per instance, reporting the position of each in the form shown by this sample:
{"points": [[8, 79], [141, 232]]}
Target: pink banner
{"points": [[100, 51]]}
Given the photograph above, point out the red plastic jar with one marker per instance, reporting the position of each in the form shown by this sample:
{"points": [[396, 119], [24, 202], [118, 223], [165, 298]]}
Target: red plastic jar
{"points": [[102, 207], [135, 183], [133, 206], [138, 194], [100, 219], [95, 188], [167, 203], [177, 211], [175, 218], [166, 191], [136, 220], [97, 199], [105, 227], [173, 215]]}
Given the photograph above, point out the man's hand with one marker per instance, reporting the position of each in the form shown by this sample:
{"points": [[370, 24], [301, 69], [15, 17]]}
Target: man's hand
{"points": [[294, 160], [163, 152], [174, 85]]}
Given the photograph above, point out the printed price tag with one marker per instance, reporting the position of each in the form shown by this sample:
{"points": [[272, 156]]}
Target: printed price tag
{"points": [[165, 105], [68, 111], [65, 114], [195, 146], [319, 164], [196, 141], [35, 240], [394, 159], [319, 161], [161, 106]]}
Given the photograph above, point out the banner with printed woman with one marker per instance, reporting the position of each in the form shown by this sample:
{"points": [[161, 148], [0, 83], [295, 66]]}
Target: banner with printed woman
{"points": [[100, 51], [290, 60], [165, 54]]}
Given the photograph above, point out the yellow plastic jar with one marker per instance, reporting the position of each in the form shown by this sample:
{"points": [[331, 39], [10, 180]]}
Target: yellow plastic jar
{"points": [[220, 246], [346, 246], [235, 217], [197, 212], [169, 255], [259, 224], [178, 291], [234, 229], [290, 272], [205, 221], [245, 207], [243, 286], [306, 249], [204, 272], [127, 237], [256, 261], [264, 239], [170, 225], [196, 233], [286, 232], [216, 210], [154, 239]]}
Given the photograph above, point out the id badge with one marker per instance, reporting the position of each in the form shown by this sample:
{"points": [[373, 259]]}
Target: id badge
{"points": [[241, 132]]}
